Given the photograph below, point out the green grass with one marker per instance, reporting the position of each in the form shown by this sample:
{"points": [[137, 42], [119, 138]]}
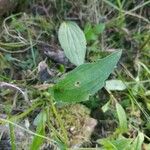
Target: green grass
{"points": [[121, 25]]}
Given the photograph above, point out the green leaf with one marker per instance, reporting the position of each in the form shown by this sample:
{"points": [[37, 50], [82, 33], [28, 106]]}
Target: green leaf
{"points": [[38, 141], [91, 36], [87, 28], [89, 33], [99, 28], [121, 143], [92, 32], [41, 117], [85, 80], [137, 144], [115, 85], [106, 107], [122, 118], [73, 42]]}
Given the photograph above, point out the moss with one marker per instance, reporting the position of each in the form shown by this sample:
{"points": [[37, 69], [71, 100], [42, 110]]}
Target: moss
{"points": [[77, 122]]}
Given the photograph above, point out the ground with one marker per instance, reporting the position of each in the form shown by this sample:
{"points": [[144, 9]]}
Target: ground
{"points": [[32, 61]]}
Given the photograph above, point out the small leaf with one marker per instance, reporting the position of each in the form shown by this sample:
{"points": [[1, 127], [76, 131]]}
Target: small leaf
{"points": [[85, 80], [38, 141], [115, 85], [137, 144], [99, 28], [122, 118], [121, 143], [89, 33], [106, 107], [91, 36], [87, 28], [40, 117], [73, 42]]}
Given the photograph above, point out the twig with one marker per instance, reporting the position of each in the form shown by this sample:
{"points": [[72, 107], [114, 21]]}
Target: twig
{"points": [[12, 86]]}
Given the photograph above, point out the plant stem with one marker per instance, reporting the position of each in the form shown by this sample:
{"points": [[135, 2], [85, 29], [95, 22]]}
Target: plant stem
{"points": [[12, 136]]}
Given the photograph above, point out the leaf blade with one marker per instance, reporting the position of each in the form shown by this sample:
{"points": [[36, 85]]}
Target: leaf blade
{"points": [[122, 118], [85, 80], [115, 85], [73, 42], [137, 144], [38, 141]]}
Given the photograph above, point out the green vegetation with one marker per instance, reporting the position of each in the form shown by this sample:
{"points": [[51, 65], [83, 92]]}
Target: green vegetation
{"points": [[74, 75]]}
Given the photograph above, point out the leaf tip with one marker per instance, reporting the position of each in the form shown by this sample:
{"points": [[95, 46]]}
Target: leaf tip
{"points": [[119, 53]]}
